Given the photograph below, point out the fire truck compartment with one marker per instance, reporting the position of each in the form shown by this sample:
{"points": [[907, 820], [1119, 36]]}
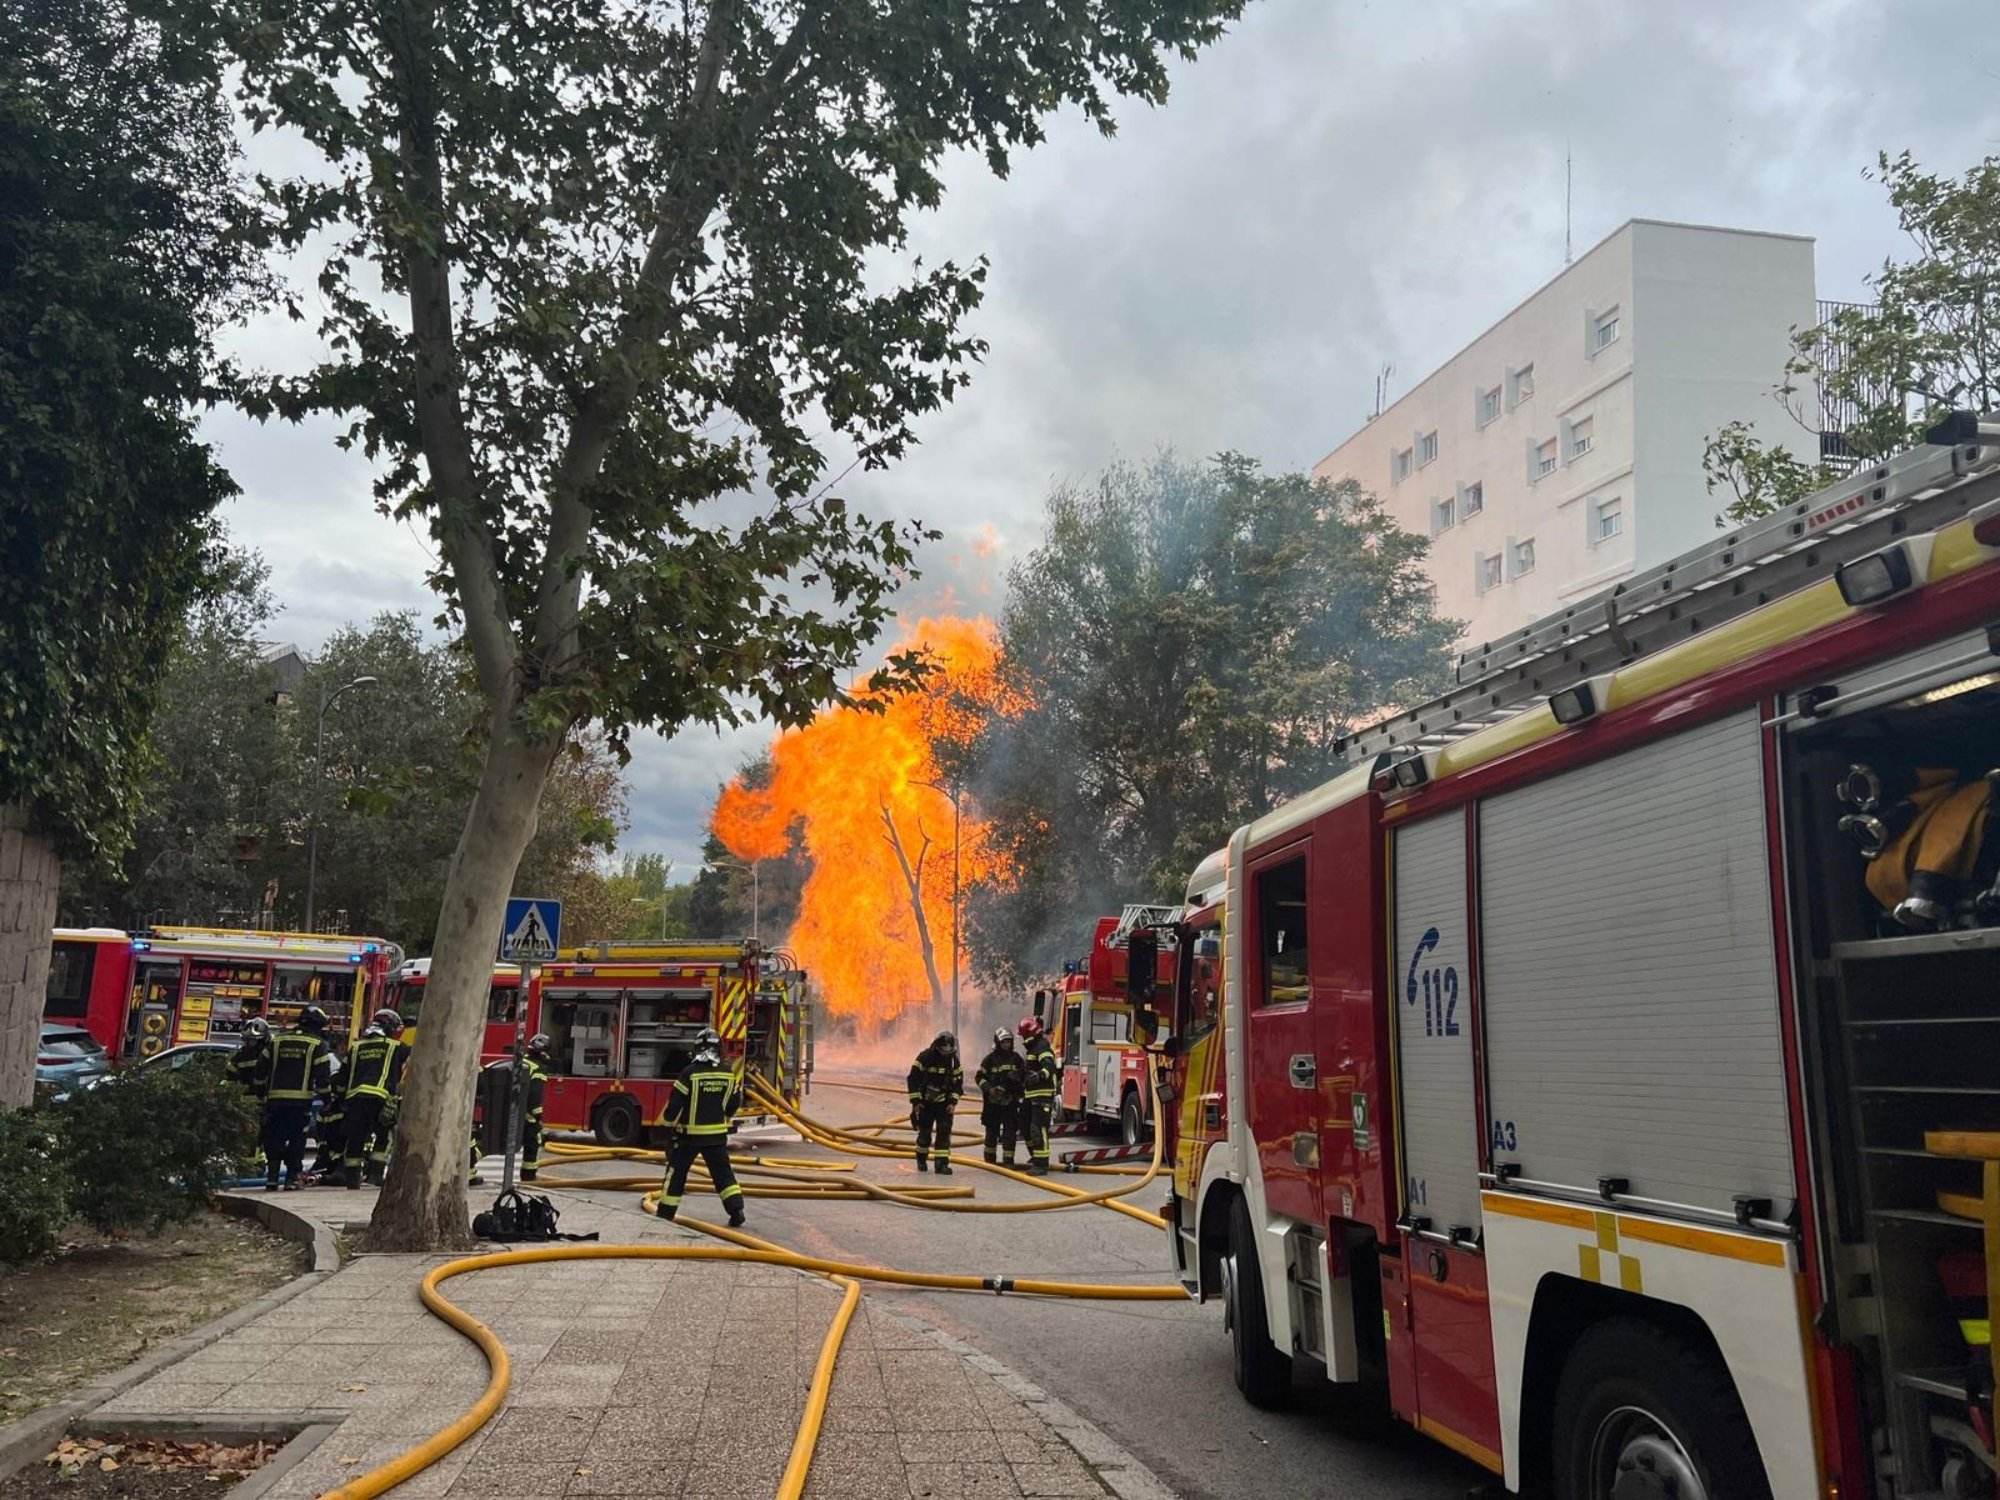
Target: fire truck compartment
{"points": [[1901, 1023]]}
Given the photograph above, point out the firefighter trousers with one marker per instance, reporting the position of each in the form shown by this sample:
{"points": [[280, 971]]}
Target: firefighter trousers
{"points": [[1003, 1126], [934, 1133], [285, 1122], [1036, 1113], [531, 1148], [367, 1141], [714, 1153]]}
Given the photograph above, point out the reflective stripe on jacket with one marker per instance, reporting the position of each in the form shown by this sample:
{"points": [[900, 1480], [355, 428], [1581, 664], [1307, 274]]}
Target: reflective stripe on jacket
{"points": [[375, 1066], [1041, 1069], [531, 1105], [1001, 1076], [703, 1101], [936, 1078], [301, 1066]]}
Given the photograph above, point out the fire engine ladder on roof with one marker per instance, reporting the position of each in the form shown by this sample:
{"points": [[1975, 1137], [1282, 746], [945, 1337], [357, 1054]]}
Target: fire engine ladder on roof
{"points": [[1139, 914], [1914, 492]]}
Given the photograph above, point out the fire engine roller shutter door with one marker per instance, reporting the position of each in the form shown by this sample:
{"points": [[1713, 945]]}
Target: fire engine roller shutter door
{"points": [[1440, 1124], [1629, 982]]}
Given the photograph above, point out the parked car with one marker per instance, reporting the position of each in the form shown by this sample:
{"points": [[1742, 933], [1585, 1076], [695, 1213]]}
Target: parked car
{"points": [[69, 1057]]}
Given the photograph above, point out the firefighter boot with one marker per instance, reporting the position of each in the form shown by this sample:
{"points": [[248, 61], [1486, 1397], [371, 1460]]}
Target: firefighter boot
{"points": [[923, 1165], [990, 1156], [665, 1211], [944, 1166], [736, 1216]]}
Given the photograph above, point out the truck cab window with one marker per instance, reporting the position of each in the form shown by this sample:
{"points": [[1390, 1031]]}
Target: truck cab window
{"points": [[1281, 918]]}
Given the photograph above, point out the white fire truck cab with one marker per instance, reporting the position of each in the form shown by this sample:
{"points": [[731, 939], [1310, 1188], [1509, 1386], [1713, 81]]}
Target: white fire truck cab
{"points": [[1609, 1064]]}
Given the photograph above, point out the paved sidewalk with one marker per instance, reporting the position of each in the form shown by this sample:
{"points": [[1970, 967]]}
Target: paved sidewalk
{"points": [[631, 1378]]}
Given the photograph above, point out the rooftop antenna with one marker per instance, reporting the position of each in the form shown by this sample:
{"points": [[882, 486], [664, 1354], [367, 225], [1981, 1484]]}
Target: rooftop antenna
{"points": [[1566, 201], [1381, 390]]}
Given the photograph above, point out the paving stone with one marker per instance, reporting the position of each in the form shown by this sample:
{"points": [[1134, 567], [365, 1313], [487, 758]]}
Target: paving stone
{"points": [[967, 1447], [655, 1476], [480, 1480], [870, 1481], [170, 1395], [579, 1346], [744, 1481], [540, 1434], [1058, 1478], [961, 1482], [627, 1432], [875, 1419]]}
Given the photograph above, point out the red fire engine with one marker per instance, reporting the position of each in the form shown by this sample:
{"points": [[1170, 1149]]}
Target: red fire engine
{"points": [[142, 993], [1103, 1064], [503, 1004], [1609, 1065], [622, 1019]]}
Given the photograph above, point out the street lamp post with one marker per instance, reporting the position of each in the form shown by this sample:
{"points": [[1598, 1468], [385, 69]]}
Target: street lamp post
{"points": [[326, 701]]}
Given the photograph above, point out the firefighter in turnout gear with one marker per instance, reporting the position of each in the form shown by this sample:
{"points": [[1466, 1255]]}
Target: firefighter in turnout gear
{"points": [[250, 1062], [705, 1098], [936, 1080], [535, 1079], [301, 1069], [374, 1083], [1000, 1077], [1038, 1092]]}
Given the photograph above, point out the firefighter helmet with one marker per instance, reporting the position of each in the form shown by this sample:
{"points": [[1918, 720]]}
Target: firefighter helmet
{"points": [[1003, 1038], [539, 1045], [391, 1021], [709, 1037], [1031, 1027], [312, 1018], [945, 1041], [371, 1029], [257, 1028]]}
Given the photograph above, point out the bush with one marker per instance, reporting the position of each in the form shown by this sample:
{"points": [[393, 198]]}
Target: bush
{"points": [[34, 1188], [149, 1146]]}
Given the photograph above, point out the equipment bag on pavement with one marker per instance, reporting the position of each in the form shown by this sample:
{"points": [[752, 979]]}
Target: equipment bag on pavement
{"points": [[517, 1216]]}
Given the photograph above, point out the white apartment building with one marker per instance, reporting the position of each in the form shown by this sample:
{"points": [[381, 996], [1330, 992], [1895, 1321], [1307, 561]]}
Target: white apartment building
{"points": [[1561, 449]]}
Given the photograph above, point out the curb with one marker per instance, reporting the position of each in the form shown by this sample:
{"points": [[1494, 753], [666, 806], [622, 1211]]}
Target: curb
{"points": [[282, 1222], [28, 1438], [1121, 1471]]}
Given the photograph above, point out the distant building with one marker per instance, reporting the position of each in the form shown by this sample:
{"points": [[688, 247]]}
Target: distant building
{"points": [[1561, 450], [287, 665]]}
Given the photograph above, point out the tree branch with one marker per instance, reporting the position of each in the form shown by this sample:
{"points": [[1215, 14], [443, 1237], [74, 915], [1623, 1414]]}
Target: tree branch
{"points": [[410, 38]]}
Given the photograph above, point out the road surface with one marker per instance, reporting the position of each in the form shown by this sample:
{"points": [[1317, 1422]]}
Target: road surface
{"points": [[1154, 1376]]}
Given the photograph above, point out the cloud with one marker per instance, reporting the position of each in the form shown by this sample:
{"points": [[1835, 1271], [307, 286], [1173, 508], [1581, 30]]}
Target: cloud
{"points": [[1334, 186]]}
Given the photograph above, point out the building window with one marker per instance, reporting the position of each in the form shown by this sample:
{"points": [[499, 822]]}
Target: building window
{"points": [[1427, 447], [1582, 433], [1400, 464], [1490, 572], [1607, 520], [1487, 408], [1520, 386], [1524, 557], [1443, 513], [1604, 330], [1471, 500], [1281, 921], [1545, 458]]}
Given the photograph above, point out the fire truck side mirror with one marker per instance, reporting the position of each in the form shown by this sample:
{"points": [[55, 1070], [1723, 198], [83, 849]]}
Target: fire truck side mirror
{"points": [[1041, 1004], [1142, 965]]}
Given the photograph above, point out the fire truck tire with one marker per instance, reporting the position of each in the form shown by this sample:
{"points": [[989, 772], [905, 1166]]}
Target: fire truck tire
{"points": [[617, 1123], [1263, 1373], [1132, 1120], [1642, 1411]]}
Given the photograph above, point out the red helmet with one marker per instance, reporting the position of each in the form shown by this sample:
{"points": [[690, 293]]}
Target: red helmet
{"points": [[1031, 1026]]}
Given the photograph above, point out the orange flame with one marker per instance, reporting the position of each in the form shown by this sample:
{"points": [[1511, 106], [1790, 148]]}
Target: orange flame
{"points": [[878, 825]]}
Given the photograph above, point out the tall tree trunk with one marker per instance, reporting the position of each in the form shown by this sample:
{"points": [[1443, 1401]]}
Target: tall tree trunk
{"points": [[422, 1206], [913, 878], [29, 875]]}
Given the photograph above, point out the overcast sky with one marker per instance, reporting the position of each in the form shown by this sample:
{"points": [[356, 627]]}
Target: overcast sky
{"points": [[1334, 186]]}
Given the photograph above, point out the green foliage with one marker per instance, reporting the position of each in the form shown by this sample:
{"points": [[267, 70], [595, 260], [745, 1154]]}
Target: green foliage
{"points": [[34, 1188], [1191, 642], [639, 248], [117, 205], [150, 1146], [1929, 345], [224, 814]]}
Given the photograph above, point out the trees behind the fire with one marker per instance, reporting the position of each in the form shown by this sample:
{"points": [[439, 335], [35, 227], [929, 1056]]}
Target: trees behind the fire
{"points": [[1929, 345], [637, 259], [116, 205], [1187, 644]]}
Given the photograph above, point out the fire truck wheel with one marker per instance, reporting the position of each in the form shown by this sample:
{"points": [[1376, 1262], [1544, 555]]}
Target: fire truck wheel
{"points": [[1132, 1120], [1263, 1373], [1642, 1414], [617, 1123]]}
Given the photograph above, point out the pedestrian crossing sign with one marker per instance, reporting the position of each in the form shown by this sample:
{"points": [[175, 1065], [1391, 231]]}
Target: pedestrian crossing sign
{"points": [[532, 930]]}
